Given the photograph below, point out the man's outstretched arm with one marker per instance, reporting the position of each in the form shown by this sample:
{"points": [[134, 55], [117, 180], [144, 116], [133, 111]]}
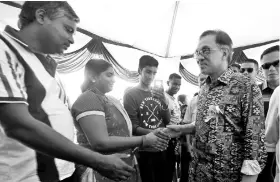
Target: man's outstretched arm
{"points": [[20, 125]]}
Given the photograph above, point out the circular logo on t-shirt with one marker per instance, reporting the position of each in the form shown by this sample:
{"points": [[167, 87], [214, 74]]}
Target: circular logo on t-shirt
{"points": [[150, 112]]}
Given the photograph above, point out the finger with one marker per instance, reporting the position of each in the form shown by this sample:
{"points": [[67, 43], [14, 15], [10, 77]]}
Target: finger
{"points": [[164, 136], [162, 141], [162, 145], [128, 168], [121, 155], [123, 174], [121, 178]]}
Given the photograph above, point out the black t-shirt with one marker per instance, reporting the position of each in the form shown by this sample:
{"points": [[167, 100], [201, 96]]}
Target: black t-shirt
{"points": [[143, 109], [266, 93]]}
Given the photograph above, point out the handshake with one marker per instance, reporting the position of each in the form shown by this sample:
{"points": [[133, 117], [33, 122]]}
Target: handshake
{"points": [[159, 138]]}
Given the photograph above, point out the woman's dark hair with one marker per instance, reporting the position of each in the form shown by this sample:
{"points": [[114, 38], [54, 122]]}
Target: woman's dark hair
{"points": [[94, 67]]}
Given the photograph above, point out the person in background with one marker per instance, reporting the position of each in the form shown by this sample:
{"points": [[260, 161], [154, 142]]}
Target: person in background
{"points": [[103, 124], [183, 103], [36, 128], [272, 129], [250, 68], [185, 157], [229, 127], [270, 66], [173, 151], [235, 67], [149, 113], [174, 84]]}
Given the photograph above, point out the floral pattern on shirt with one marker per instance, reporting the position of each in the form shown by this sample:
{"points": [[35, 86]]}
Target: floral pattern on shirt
{"points": [[229, 129]]}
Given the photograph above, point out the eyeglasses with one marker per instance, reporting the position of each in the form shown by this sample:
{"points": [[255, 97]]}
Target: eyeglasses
{"points": [[267, 65], [249, 70], [204, 52]]}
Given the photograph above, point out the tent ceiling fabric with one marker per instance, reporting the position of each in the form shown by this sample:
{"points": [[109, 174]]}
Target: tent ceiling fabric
{"points": [[146, 25], [154, 28]]}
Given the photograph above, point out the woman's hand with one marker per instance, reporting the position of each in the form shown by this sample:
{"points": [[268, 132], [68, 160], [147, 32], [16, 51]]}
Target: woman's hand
{"points": [[153, 141], [161, 134]]}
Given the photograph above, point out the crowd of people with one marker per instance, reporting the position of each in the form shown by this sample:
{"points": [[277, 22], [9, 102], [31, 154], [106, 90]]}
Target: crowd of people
{"points": [[228, 132]]}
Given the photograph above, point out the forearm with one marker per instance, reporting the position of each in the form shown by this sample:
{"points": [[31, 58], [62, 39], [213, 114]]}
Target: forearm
{"points": [[116, 144], [42, 138], [188, 128], [139, 131]]}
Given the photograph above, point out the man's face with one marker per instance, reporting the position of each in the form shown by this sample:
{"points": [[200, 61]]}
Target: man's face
{"points": [[174, 85], [235, 69], [57, 34], [212, 58], [148, 74], [249, 69], [271, 72]]}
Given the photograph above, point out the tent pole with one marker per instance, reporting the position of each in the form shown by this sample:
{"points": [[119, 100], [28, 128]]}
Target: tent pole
{"points": [[171, 28]]}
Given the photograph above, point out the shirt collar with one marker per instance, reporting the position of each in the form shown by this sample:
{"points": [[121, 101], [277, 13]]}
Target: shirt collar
{"points": [[264, 85], [48, 62], [12, 33], [223, 78]]}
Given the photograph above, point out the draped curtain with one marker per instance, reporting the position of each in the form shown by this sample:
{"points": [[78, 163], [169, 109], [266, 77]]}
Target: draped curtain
{"points": [[74, 61]]}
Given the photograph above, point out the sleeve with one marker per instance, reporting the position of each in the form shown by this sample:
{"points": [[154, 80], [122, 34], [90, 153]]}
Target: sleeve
{"points": [[12, 86], [88, 104], [253, 114], [272, 122], [132, 110]]}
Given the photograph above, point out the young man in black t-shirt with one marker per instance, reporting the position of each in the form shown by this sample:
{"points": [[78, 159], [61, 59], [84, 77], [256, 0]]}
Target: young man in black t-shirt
{"points": [[148, 113]]}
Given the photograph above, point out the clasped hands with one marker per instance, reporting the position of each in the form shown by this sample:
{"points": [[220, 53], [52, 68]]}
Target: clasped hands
{"points": [[159, 138]]}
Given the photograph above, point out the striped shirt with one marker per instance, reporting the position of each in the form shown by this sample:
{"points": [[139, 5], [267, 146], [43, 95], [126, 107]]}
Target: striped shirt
{"points": [[31, 79]]}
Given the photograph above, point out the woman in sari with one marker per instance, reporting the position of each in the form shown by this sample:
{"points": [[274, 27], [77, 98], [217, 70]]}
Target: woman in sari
{"points": [[103, 125]]}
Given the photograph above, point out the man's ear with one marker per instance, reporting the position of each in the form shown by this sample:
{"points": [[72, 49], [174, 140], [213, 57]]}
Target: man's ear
{"points": [[139, 71], [226, 53], [167, 82], [40, 16]]}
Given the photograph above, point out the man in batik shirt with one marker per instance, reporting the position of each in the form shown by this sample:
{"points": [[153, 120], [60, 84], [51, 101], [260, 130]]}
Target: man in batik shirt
{"points": [[229, 127]]}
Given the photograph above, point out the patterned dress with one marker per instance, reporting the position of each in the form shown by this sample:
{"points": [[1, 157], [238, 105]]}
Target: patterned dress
{"points": [[229, 134], [117, 121]]}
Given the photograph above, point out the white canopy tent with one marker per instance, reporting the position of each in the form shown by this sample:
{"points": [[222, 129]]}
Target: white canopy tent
{"points": [[153, 25], [166, 29]]}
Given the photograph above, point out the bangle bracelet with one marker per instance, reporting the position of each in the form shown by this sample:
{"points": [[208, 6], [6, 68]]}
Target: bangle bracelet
{"points": [[143, 141]]}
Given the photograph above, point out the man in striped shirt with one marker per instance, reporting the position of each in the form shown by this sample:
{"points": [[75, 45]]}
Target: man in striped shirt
{"points": [[36, 127]]}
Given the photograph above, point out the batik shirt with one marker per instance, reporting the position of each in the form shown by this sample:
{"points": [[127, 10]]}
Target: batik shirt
{"points": [[229, 139]]}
